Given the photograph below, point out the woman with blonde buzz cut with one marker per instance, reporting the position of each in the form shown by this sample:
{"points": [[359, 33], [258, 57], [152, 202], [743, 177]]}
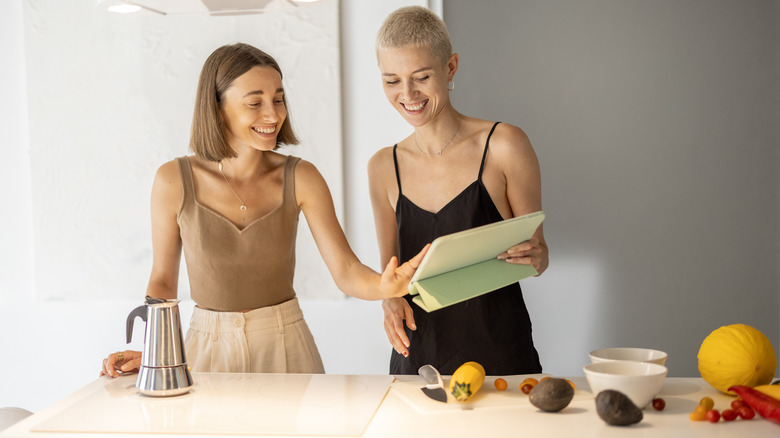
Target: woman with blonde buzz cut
{"points": [[454, 172]]}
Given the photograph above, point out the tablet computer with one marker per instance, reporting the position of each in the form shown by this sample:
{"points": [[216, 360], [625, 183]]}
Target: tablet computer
{"points": [[475, 245]]}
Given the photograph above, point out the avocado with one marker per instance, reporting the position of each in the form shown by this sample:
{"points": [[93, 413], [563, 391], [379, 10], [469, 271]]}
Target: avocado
{"points": [[551, 395], [617, 409]]}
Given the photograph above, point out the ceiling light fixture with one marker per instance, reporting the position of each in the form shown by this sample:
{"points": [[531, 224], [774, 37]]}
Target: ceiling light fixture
{"points": [[118, 6]]}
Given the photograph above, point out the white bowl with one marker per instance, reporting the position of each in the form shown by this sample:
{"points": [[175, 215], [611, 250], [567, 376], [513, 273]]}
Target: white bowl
{"points": [[640, 381], [632, 354]]}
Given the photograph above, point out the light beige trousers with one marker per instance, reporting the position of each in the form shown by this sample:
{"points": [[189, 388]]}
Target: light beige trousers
{"points": [[271, 339]]}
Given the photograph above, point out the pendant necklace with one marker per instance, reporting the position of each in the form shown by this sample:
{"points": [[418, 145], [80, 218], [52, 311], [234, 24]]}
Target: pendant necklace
{"points": [[243, 204], [438, 154]]}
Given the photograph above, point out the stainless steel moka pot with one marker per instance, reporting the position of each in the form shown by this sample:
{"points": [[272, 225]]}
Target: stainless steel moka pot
{"points": [[163, 369]]}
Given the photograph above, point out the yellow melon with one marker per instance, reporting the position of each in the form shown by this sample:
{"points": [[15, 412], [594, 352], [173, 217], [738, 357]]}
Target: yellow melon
{"points": [[736, 354]]}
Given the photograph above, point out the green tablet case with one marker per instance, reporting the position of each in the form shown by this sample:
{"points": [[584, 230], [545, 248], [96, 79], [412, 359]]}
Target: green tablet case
{"points": [[463, 265]]}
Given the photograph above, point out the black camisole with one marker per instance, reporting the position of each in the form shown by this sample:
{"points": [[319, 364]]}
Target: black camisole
{"points": [[493, 329]]}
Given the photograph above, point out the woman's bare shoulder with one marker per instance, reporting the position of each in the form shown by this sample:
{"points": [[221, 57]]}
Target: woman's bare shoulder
{"points": [[169, 170], [510, 142], [307, 178], [380, 160], [167, 190]]}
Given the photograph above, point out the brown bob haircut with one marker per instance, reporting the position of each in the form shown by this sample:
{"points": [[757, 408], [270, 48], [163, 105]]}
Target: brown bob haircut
{"points": [[219, 71]]}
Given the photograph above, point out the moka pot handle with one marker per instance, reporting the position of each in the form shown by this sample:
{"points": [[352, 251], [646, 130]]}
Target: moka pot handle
{"points": [[140, 312]]}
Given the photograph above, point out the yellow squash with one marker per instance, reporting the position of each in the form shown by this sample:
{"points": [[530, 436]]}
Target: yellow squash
{"points": [[770, 390], [466, 381]]}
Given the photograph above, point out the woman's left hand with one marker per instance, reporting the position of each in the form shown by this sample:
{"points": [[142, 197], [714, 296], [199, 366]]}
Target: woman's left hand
{"points": [[525, 253], [395, 279], [120, 363]]}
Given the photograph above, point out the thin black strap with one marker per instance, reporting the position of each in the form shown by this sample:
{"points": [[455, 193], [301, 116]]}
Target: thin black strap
{"points": [[484, 154], [397, 175]]}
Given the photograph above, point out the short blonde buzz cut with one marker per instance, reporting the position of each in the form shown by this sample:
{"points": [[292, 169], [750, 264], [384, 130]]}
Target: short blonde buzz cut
{"points": [[416, 26]]}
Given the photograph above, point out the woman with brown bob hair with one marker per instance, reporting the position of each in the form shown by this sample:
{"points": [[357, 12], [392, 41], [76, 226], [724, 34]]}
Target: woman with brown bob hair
{"points": [[220, 70], [233, 209]]}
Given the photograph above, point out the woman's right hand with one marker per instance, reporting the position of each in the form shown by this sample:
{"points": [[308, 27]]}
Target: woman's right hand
{"points": [[120, 363], [396, 311]]}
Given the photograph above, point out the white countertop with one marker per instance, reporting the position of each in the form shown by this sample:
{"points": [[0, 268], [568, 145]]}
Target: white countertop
{"points": [[402, 412]]}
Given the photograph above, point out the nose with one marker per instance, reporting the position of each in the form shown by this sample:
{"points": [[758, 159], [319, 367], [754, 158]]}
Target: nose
{"points": [[408, 91], [273, 113]]}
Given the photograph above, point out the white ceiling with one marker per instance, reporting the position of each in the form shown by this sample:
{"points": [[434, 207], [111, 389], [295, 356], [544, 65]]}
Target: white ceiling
{"points": [[213, 7]]}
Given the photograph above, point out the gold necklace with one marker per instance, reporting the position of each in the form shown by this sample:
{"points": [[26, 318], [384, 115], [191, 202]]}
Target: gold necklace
{"points": [[438, 154], [243, 204]]}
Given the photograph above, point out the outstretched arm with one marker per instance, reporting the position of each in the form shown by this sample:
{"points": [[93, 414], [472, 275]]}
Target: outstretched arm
{"points": [[351, 276]]}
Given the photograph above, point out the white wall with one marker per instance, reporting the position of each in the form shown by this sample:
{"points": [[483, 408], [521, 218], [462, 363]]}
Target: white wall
{"points": [[657, 126], [110, 99], [53, 347]]}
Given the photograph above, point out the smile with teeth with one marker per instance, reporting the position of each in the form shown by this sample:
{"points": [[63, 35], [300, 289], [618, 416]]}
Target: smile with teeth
{"points": [[415, 107], [267, 130]]}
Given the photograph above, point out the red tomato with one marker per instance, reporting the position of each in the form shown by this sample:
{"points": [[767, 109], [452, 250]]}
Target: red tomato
{"points": [[713, 416], [729, 415], [746, 413]]}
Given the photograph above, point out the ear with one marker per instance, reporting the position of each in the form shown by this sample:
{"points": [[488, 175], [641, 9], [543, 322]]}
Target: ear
{"points": [[452, 66]]}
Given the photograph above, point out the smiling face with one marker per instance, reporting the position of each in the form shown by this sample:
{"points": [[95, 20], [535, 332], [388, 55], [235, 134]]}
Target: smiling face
{"points": [[253, 110], [415, 82]]}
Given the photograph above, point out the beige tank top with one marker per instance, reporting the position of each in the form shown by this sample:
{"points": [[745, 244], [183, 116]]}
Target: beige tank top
{"points": [[232, 269]]}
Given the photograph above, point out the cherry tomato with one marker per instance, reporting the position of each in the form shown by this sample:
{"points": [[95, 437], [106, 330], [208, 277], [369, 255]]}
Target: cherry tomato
{"points": [[530, 380], [526, 388], [701, 408], [698, 415], [659, 404], [746, 413], [736, 404], [500, 384], [713, 416], [708, 402], [729, 415]]}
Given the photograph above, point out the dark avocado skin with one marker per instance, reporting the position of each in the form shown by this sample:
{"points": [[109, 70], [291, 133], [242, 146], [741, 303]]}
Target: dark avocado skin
{"points": [[617, 409], [551, 395]]}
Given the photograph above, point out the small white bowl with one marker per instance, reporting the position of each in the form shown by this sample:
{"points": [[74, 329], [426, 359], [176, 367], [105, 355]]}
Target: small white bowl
{"points": [[640, 381], [632, 354]]}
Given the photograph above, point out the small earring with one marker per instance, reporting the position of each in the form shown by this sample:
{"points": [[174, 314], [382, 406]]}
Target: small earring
{"points": [[451, 86]]}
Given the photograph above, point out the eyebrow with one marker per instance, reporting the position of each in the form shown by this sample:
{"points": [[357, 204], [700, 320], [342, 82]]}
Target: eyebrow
{"points": [[252, 93], [414, 72]]}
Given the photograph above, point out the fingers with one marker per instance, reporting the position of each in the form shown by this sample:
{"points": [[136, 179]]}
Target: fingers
{"points": [[396, 311], [394, 336], [416, 260], [409, 316], [529, 245], [109, 366], [113, 367], [525, 253], [389, 273], [408, 269], [131, 365]]}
